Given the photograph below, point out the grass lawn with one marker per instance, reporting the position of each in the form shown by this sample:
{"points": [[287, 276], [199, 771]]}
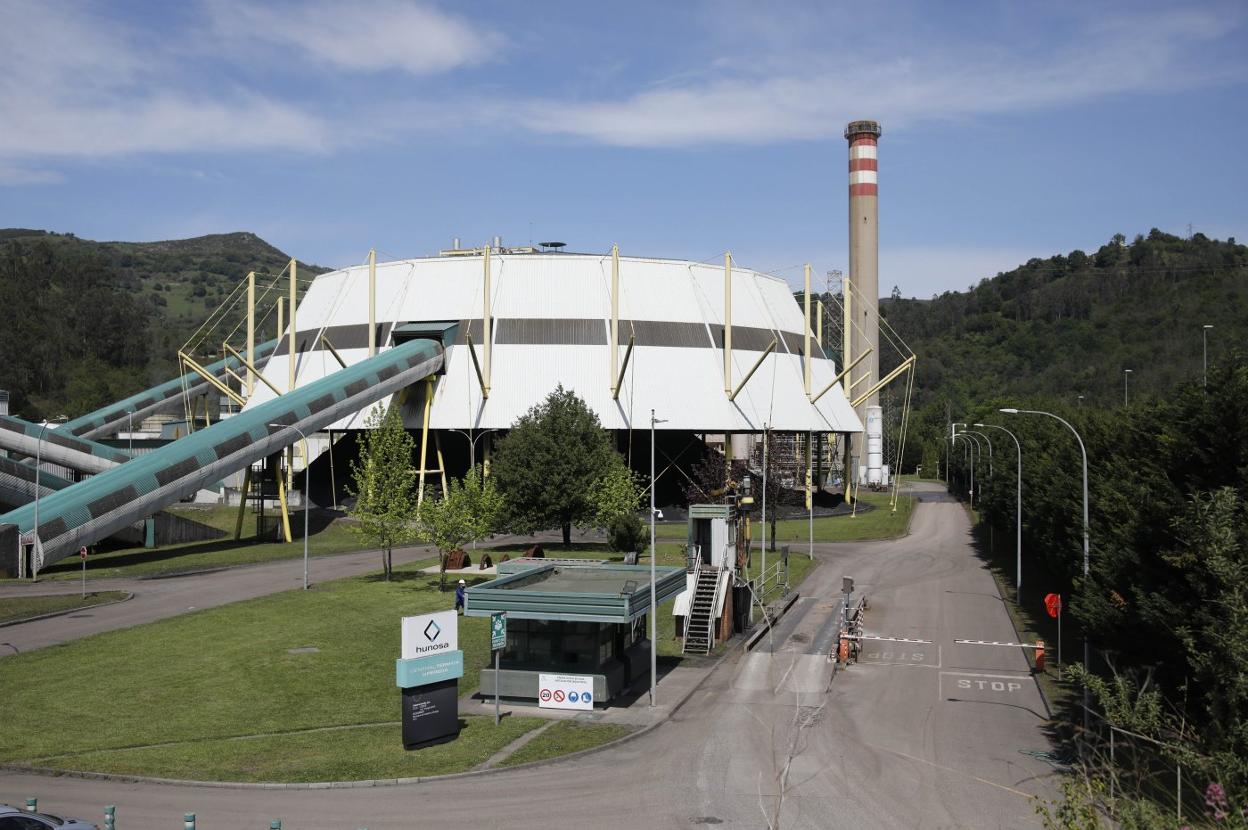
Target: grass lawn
{"points": [[20, 608], [358, 753], [879, 523], [565, 737], [325, 537], [227, 672]]}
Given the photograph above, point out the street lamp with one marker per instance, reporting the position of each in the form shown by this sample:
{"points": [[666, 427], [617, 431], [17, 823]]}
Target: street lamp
{"points": [[1018, 521], [970, 442], [979, 450], [985, 437], [37, 546], [1081, 401], [307, 504], [1204, 342], [1126, 373], [472, 456], [1084, 452], [654, 554]]}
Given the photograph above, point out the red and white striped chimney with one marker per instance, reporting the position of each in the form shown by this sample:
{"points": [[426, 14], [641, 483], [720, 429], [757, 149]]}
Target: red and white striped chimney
{"points": [[864, 253]]}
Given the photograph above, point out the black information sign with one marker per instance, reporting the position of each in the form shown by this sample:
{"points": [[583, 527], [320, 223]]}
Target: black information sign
{"points": [[430, 714]]}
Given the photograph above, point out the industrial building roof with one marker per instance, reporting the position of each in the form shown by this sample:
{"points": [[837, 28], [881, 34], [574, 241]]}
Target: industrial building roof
{"points": [[552, 317]]}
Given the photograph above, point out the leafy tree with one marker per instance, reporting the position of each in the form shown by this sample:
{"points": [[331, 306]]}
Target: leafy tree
{"points": [[550, 463], [470, 510], [382, 484]]}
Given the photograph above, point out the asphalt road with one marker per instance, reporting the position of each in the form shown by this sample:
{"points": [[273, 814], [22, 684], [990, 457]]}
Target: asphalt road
{"points": [[156, 599], [913, 736]]}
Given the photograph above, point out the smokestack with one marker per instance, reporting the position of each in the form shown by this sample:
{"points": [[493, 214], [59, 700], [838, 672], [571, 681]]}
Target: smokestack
{"points": [[864, 254]]}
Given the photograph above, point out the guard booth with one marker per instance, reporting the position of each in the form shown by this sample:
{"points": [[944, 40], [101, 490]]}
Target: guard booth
{"points": [[571, 617], [716, 600]]}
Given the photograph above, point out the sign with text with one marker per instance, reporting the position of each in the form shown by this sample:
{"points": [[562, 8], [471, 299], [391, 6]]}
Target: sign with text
{"points": [[498, 631], [424, 670], [565, 691], [430, 714], [430, 634]]}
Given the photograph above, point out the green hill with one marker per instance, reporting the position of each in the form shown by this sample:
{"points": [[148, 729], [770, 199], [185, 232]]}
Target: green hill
{"points": [[1054, 329], [90, 322]]}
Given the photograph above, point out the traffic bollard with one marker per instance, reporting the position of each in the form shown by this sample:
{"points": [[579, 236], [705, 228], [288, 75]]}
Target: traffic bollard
{"points": [[32, 805], [189, 818], [110, 817], [275, 824]]}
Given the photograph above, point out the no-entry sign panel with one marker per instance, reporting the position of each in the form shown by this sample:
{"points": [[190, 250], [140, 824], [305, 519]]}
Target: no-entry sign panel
{"points": [[565, 691]]}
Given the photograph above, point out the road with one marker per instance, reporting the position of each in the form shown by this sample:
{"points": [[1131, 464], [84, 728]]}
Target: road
{"points": [[919, 736], [157, 599]]}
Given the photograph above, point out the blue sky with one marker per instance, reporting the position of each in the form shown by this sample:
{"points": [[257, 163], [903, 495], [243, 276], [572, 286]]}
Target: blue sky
{"points": [[1011, 130]]}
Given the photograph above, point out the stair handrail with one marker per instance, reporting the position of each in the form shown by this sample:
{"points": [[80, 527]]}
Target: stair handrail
{"points": [[715, 601]]}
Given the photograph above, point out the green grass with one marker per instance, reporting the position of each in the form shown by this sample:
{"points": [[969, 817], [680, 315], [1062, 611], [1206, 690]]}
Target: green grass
{"points": [[879, 523], [334, 537], [361, 753], [563, 738], [20, 608], [226, 672]]}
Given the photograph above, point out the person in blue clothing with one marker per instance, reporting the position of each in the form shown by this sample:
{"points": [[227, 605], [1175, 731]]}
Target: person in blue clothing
{"points": [[459, 595]]}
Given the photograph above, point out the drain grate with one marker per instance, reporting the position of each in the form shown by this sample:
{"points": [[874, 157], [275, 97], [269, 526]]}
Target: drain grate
{"points": [[706, 820]]}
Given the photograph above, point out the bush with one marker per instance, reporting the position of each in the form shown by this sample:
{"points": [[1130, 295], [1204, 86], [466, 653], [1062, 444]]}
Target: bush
{"points": [[626, 532]]}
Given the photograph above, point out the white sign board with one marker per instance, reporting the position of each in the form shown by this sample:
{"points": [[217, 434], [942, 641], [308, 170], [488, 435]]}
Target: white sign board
{"points": [[430, 634], [565, 691]]}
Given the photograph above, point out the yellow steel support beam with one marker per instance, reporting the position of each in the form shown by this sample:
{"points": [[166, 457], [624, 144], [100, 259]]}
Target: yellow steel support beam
{"points": [[472, 352], [770, 348], [619, 379], [728, 325], [437, 447], [424, 442], [333, 351], [252, 369], [806, 333], [867, 376], [905, 366], [847, 350], [242, 503], [281, 496], [843, 373], [212, 379], [615, 322], [251, 332], [290, 387], [372, 303], [486, 323]]}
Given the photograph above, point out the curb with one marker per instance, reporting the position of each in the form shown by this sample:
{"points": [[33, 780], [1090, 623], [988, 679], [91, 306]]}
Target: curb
{"points": [[753, 639], [129, 595]]}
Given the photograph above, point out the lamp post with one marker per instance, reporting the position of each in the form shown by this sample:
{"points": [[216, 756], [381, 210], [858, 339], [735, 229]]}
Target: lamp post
{"points": [[1084, 452], [1081, 401], [979, 450], [1018, 521], [37, 546], [1126, 373], [472, 456], [654, 554], [1204, 342], [307, 504], [969, 446], [985, 437]]}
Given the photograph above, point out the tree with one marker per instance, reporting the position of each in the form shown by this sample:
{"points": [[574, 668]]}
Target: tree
{"points": [[470, 511], [382, 482], [616, 496], [549, 464]]}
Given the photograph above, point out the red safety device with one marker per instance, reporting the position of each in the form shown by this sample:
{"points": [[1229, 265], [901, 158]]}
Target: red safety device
{"points": [[1040, 655]]}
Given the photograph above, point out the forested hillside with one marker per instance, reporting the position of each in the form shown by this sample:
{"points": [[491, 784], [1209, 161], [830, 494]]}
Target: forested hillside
{"points": [[1069, 325], [87, 322]]}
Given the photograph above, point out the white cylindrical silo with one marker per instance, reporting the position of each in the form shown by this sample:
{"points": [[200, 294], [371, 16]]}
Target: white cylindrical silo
{"points": [[875, 445]]}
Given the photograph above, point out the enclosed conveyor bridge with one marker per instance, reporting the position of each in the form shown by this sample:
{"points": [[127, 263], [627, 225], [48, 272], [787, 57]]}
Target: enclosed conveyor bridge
{"points": [[95, 508]]}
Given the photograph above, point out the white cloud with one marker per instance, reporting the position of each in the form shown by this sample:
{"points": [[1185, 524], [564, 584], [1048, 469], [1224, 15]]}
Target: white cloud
{"points": [[11, 176], [381, 35], [1105, 56], [73, 84]]}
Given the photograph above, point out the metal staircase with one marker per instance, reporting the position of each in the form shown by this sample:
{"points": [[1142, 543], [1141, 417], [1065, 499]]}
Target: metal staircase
{"points": [[700, 626]]}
